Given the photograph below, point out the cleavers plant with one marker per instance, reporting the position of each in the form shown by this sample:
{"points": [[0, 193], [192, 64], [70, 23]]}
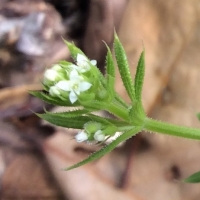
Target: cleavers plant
{"points": [[83, 88]]}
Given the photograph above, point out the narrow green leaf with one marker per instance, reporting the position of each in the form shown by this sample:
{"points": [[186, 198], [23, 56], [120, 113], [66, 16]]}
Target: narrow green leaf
{"points": [[110, 86], [194, 178], [139, 77], [94, 104], [117, 123], [99, 119], [121, 101], [65, 64], [52, 100], [110, 107], [110, 66], [110, 73], [102, 79], [74, 50], [107, 148], [59, 120], [70, 114], [124, 68]]}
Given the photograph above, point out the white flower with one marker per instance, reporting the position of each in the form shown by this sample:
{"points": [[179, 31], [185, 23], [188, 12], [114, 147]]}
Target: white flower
{"points": [[83, 63], [75, 85], [99, 136], [81, 136]]}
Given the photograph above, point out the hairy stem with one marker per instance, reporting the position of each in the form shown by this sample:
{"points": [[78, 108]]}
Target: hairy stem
{"points": [[117, 110], [171, 129]]}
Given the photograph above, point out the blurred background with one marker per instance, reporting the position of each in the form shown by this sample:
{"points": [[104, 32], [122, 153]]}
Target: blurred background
{"points": [[146, 167]]}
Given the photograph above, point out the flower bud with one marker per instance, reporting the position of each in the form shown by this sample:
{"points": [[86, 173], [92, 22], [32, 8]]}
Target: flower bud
{"points": [[92, 127], [99, 136], [54, 91], [110, 130], [53, 75], [50, 75], [102, 94]]}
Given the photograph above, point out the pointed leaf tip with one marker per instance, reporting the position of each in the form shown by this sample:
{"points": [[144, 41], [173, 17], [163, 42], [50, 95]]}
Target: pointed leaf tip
{"points": [[194, 178], [139, 76], [123, 66], [74, 50], [110, 73]]}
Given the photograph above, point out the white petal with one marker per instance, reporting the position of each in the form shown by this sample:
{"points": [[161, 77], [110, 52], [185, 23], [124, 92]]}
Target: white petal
{"points": [[81, 136], [83, 63], [81, 59], [93, 62], [74, 76], [83, 86], [73, 97], [64, 85], [99, 136], [72, 66], [73, 73]]}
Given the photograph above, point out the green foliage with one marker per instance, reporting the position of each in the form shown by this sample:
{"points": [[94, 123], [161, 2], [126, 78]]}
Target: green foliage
{"points": [[93, 91]]}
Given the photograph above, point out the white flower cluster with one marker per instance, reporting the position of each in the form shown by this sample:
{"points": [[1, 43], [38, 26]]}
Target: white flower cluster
{"points": [[70, 80], [82, 136], [92, 132]]}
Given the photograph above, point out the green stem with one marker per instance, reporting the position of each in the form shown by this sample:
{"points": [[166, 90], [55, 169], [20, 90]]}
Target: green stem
{"points": [[121, 101], [171, 129], [117, 110]]}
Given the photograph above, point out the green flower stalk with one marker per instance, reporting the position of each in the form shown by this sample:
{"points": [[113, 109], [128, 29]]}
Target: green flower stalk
{"points": [[82, 86]]}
